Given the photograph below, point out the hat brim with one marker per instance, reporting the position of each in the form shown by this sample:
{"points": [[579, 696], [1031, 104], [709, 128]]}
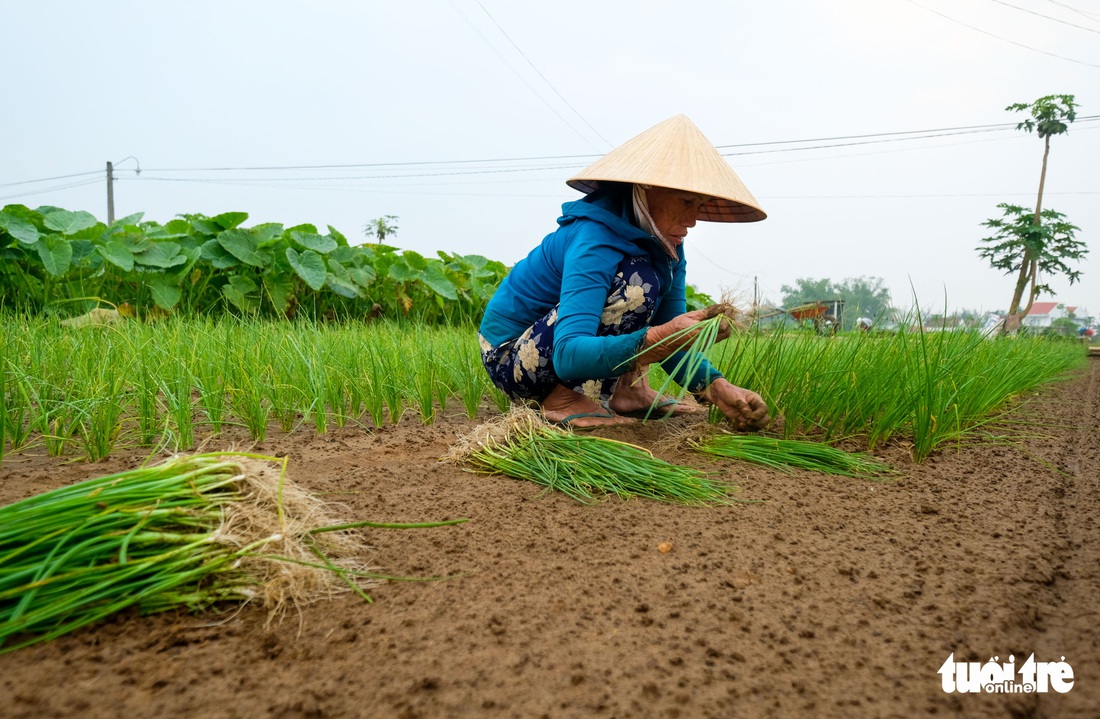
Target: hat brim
{"points": [[675, 154], [717, 209]]}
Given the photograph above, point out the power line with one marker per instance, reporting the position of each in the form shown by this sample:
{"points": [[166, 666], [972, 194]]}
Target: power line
{"points": [[1048, 17], [48, 179], [950, 130], [896, 136], [550, 84], [1005, 39], [928, 196], [521, 77], [448, 173], [1090, 16], [914, 135], [47, 190], [850, 144]]}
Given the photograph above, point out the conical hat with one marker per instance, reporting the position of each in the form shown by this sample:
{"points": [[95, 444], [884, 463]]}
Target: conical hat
{"points": [[677, 155]]}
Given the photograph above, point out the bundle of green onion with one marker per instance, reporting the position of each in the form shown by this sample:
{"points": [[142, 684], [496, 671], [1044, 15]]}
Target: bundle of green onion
{"points": [[190, 532], [695, 342], [788, 454], [586, 467]]}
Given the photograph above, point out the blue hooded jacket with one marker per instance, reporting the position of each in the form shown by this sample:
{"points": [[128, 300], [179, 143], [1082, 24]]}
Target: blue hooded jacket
{"points": [[573, 268]]}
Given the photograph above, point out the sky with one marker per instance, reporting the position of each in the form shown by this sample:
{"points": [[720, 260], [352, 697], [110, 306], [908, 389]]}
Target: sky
{"points": [[464, 119]]}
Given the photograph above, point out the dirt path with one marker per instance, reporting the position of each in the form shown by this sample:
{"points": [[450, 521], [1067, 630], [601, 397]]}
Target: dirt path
{"points": [[831, 598]]}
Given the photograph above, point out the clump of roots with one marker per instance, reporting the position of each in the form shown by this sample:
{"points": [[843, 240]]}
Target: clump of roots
{"points": [[519, 420], [288, 565]]}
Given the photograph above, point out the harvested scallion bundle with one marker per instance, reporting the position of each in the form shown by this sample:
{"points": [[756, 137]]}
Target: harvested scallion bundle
{"points": [[190, 532], [584, 466], [788, 454]]}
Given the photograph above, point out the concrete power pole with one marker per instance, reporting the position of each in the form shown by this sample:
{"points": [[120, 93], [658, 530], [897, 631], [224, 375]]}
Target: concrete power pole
{"points": [[110, 194]]}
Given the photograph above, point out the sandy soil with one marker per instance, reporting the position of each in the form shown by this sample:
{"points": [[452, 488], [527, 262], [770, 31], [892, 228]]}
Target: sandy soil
{"points": [[830, 598]]}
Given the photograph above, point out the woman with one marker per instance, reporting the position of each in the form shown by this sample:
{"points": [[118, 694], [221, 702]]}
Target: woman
{"points": [[576, 323]]}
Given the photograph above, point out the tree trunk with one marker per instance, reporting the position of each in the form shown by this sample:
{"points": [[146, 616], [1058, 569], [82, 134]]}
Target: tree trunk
{"points": [[1029, 264]]}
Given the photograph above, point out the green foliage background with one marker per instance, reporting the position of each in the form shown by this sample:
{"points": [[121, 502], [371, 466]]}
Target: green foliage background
{"points": [[58, 261]]}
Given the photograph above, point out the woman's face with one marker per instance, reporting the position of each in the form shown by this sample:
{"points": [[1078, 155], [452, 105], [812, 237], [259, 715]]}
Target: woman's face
{"points": [[674, 211]]}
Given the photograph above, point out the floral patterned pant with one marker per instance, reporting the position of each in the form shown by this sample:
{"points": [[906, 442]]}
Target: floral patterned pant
{"points": [[523, 368]]}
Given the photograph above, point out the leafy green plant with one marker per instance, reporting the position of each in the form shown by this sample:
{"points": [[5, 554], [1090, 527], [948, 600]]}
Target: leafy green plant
{"points": [[54, 260]]}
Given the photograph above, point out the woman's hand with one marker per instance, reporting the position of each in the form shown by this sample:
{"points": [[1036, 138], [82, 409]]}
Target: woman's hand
{"points": [[743, 408], [657, 348]]}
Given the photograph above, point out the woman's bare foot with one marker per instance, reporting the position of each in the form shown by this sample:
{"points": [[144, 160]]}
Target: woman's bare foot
{"points": [[563, 403], [633, 395]]}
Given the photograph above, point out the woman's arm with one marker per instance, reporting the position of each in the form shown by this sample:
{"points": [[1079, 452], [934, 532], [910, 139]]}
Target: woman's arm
{"points": [[579, 354]]}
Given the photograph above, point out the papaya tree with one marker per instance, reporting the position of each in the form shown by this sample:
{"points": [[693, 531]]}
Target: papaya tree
{"points": [[1048, 116], [1045, 246]]}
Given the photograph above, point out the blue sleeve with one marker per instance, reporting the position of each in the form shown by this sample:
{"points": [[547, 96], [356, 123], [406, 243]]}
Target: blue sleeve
{"points": [[674, 304], [588, 268]]}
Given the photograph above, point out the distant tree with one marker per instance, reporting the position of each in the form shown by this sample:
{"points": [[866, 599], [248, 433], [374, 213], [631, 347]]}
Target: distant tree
{"points": [[381, 228], [807, 289], [1029, 247], [1049, 115], [863, 296]]}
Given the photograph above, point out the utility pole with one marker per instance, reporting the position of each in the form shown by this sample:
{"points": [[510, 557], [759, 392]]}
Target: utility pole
{"points": [[110, 194]]}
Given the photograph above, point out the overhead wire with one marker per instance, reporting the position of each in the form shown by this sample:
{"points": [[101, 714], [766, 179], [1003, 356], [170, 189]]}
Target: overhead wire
{"points": [[1047, 17], [1090, 16], [912, 135], [46, 190], [520, 76], [544, 79], [1000, 37], [439, 169], [48, 179]]}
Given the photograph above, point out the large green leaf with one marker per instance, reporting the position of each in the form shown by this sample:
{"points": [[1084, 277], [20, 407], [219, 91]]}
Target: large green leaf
{"points": [[117, 254], [267, 233], [414, 259], [203, 224], [338, 236], [243, 245], [243, 293], [128, 220], [162, 254], [56, 253], [475, 261], [19, 228], [279, 290], [402, 272], [433, 277], [309, 265], [315, 242], [363, 276], [177, 227], [229, 220], [67, 222], [346, 254], [216, 255], [312, 229], [342, 287], [135, 242], [156, 232], [165, 294], [82, 249]]}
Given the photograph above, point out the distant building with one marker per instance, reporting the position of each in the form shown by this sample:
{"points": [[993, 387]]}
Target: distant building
{"points": [[1043, 314]]}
